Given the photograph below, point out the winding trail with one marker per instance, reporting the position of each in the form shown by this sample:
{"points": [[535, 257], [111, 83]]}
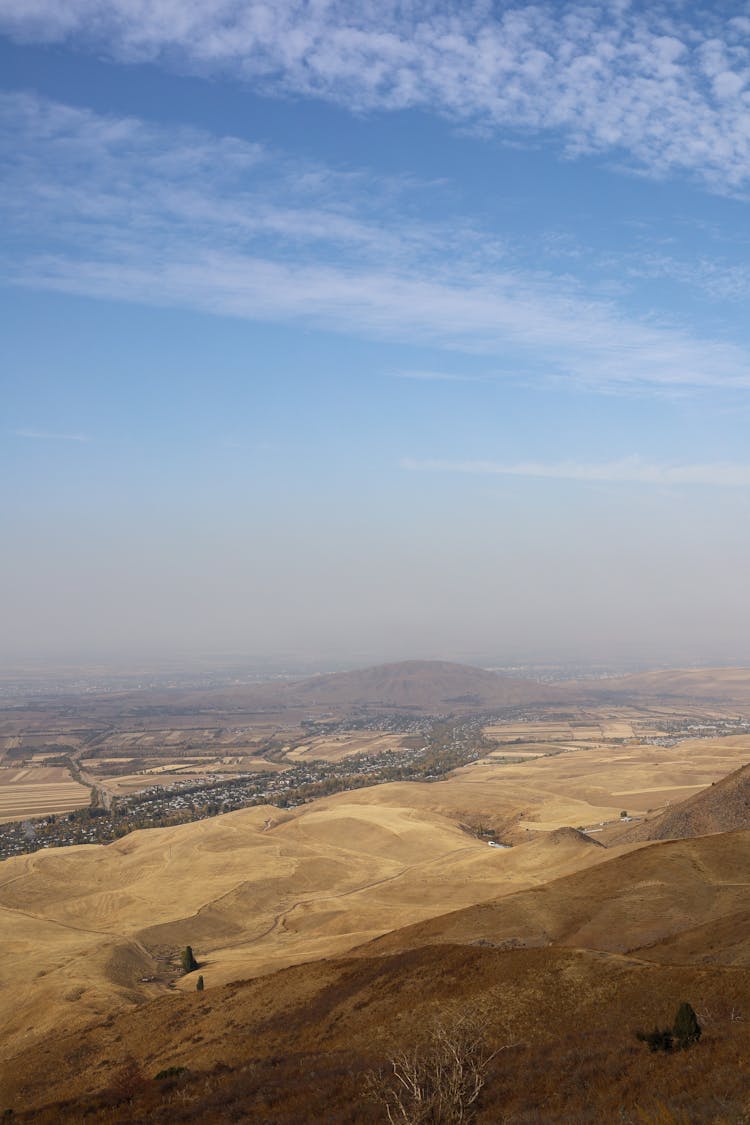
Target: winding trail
{"points": [[288, 910]]}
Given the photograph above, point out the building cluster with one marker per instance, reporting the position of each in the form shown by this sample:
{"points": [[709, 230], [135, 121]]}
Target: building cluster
{"points": [[440, 745], [677, 730]]}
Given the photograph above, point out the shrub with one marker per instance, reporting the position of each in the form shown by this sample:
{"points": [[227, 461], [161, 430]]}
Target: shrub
{"points": [[129, 1081], [660, 1039], [170, 1072]]}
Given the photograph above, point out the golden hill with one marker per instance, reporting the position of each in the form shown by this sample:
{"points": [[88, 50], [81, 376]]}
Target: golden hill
{"points": [[608, 950], [84, 929], [261, 889], [723, 807], [361, 916], [645, 902]]}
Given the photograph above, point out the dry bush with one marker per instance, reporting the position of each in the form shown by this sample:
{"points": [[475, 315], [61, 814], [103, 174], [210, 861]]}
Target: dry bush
{"points": [[129, 1082], [437, 1082]]}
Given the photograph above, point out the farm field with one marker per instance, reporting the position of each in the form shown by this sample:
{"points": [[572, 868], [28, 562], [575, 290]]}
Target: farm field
{"points": [[38, 791], [543, 731], [129, 775], [335, 748], [590, 729], [582, 786], [123, 785], [587, 785]]}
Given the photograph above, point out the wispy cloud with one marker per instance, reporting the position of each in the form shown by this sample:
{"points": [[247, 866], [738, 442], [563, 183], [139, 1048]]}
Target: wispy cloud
{"points": [[662, 87], [128, 211], [628, 470], [47, 435], [551, 335], [721, 281]]}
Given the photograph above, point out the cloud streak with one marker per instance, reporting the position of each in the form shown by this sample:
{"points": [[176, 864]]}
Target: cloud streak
{"points": [[663, 88], [128, 211], [550, 336], [628, 470]]}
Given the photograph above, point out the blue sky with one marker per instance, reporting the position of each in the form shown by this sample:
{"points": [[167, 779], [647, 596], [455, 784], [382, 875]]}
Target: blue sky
{"points": [[364, 331]]}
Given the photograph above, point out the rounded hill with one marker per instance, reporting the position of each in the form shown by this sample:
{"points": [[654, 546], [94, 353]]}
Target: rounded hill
{"points": [[420, 685]]}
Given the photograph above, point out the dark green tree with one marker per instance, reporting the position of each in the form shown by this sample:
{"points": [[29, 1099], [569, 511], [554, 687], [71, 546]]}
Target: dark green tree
{"points": [[683, 1034], [189, 963], [199, 984], [686, 1028]]}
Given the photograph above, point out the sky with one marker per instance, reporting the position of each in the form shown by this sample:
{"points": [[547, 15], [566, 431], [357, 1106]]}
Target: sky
{"points": [[357, 331]]}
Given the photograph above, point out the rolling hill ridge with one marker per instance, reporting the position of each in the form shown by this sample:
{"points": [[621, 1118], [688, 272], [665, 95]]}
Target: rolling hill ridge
{"points": [[722, 807]]}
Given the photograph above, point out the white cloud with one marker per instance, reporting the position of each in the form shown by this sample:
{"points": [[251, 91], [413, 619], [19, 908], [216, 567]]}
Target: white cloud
{"points": [[128, 211], [721, 281], [549, 335], [671, 91], [628, 470]]}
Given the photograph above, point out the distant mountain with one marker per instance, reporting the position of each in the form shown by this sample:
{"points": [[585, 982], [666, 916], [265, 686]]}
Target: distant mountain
{"points": [[420, 685], [722, 807], [717, 685]]}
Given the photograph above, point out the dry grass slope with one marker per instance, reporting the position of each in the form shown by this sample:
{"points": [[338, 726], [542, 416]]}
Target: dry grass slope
{"points": [[295, 1046], [668, 896], [362, 916], [723, 807], [81, 927]]}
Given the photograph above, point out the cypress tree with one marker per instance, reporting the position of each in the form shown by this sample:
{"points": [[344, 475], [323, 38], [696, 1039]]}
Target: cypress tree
{"points": [[189, 962], [199, 984], [686, 1028]]}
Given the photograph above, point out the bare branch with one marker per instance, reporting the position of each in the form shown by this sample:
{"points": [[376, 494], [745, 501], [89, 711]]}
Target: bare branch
{"points": [[438, 1082]]}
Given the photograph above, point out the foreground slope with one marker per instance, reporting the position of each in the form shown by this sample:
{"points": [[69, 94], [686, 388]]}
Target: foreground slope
{"points": [[295, 1045]]}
